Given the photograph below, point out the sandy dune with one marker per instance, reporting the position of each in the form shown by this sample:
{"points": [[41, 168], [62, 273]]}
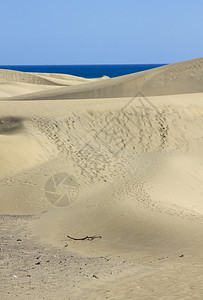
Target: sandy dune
{"points": [[180, 78], [119, 159]]}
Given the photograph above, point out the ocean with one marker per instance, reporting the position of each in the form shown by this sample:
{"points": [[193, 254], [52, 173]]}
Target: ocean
{"points": [[87, 71]]}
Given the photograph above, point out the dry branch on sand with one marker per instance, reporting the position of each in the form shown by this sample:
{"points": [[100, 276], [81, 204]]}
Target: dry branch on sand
{"points": [[89, 238]]}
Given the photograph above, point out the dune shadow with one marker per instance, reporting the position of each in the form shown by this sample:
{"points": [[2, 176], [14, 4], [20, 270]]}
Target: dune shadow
{"points": [[11, 125]]}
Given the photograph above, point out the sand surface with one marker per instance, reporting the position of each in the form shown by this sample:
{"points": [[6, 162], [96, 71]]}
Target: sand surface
{"points": [[119, 160]]}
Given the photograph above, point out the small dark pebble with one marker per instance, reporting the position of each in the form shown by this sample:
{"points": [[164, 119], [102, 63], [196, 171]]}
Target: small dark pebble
{"points": [[94, 276], [182, 255], [38, 263], [19, 240]]}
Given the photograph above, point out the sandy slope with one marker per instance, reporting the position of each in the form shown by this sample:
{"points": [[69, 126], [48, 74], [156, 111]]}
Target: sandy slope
{"points": [[135, 172]]}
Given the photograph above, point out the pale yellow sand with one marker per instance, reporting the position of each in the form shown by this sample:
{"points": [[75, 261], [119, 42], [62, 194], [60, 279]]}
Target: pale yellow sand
{"points": [[134, 147]]}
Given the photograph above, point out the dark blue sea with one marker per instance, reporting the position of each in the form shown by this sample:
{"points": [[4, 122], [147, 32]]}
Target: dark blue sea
{"points": [[87, 71]]}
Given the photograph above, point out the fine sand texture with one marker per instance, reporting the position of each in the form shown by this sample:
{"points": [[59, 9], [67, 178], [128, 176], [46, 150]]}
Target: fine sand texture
{"points": [[101, 185]]}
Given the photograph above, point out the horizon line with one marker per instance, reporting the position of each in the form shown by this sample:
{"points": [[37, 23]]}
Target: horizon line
{"points": [[82, 64]]}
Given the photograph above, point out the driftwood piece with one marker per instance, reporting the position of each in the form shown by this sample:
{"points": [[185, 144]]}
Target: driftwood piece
{"points": [[89, 238]]}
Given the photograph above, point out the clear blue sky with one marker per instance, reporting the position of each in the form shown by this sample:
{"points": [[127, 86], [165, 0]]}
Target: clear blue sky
{"points": [[99, 32]]}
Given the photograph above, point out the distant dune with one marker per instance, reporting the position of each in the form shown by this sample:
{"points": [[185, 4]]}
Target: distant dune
{"points": [[179, 78], [16, 76], [117, 159]]}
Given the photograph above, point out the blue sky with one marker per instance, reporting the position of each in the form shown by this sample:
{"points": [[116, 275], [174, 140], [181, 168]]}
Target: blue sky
{"points": [[100, 32]]}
